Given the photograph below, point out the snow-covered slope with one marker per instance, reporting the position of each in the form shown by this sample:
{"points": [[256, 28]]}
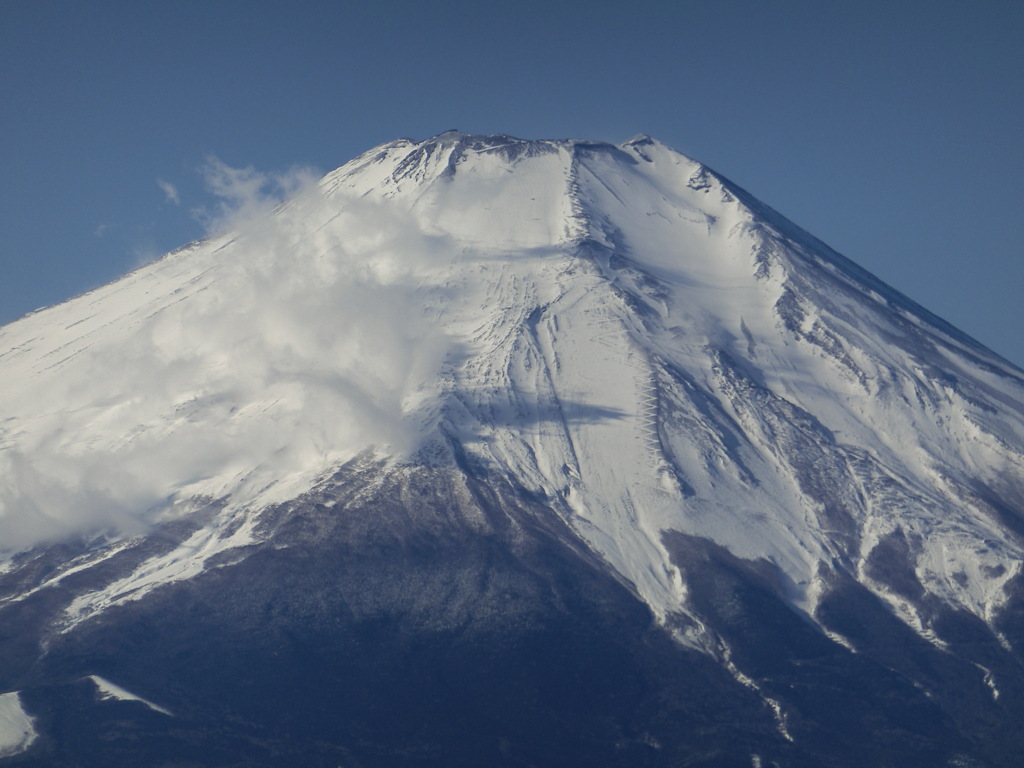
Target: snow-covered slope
{"points": [[616, 329]]}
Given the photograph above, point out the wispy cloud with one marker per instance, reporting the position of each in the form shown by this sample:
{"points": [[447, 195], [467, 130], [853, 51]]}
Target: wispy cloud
{"points": [[170, 191], [244, 194]]}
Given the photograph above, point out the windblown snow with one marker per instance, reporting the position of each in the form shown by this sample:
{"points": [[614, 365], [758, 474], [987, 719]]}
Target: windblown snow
{"points": [[615, 327]]}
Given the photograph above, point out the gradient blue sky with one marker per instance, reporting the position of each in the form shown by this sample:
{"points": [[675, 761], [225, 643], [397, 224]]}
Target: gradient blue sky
{"points": [[894, 131]]}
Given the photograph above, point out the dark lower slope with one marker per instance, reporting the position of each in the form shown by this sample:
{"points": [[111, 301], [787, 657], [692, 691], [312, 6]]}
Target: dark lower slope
{"points": [[423, 618], [898, 700]]}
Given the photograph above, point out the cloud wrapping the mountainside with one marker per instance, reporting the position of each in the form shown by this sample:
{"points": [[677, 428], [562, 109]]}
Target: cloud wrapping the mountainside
{"points": [[301, 339], [245, 195]]}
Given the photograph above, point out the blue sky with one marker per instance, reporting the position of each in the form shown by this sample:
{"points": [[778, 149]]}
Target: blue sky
{"points": [[892, 131]]}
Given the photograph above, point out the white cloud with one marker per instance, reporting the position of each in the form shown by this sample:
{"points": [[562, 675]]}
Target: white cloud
{"points": [[170, 191], [299, 342]]}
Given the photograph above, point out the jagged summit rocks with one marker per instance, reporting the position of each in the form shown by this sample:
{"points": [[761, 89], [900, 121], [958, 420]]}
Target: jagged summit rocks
{"points": [[511, 452]]}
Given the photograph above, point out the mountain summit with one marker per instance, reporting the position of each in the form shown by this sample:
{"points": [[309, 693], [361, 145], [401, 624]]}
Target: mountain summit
{"points": [[492, 451]]}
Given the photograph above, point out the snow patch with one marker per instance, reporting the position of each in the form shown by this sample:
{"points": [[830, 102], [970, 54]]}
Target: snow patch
{"points": [[17, 729], [990, 681], [773, 704], [108, 690], [231, 530]]}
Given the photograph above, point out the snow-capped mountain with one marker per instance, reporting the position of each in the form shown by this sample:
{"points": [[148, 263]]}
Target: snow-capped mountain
{"points": [[507, 396]]}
